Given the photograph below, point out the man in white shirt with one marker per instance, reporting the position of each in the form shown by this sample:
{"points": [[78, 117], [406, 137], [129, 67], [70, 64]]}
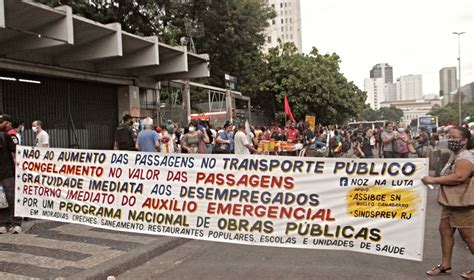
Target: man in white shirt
{"points": [[241, 142], [42, 137]]}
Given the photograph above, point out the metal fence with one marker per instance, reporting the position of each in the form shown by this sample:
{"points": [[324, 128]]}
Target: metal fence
{"points": [[75, 114]]}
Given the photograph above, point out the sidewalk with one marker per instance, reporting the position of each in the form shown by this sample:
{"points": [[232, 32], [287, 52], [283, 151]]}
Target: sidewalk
{"points": [[49, 249]]}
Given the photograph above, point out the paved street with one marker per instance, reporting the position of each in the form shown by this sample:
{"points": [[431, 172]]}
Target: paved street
{"points": [[50, 249], [210, 260]]}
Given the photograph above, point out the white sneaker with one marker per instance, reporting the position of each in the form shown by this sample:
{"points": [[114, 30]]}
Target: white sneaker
{"points": [[15, 229], [3, 230]]}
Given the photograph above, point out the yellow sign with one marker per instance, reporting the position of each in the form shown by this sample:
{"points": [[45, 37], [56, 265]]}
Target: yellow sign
{"points": [[311, 120]]}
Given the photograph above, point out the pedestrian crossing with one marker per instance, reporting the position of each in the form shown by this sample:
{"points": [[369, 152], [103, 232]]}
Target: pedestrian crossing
{"points": [[48, 249]]}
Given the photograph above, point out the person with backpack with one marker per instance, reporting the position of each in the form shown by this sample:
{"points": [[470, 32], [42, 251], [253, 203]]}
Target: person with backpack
{"points": [[124, 135]]}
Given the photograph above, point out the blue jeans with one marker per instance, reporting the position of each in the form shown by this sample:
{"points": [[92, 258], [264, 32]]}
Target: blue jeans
{"points": [[7, 215]]}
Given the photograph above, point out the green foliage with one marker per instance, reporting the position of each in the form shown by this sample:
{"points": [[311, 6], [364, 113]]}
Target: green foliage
{"points": [[141, 17], [314, 85], [393, 114], [449, 114], [233, 39]]}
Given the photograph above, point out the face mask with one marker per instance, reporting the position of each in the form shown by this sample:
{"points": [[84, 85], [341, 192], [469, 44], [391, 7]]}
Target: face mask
{"points": [[35, 129], [455, 145], [22, 129], [191, 129], [401, 130]]}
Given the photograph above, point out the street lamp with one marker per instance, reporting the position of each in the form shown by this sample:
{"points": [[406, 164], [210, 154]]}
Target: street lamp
{"points": [[459, 67]]}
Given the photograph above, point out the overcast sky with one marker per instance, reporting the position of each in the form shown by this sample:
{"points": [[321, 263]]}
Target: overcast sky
{"points": [[413, 36]]}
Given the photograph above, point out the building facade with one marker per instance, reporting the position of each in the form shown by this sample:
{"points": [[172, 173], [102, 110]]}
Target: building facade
{"points": [[286, 26], [375, 92], [382, 70], [467, 95], [412, 109], [409, 87], [79, 77], [390, 92], [447, 81]]}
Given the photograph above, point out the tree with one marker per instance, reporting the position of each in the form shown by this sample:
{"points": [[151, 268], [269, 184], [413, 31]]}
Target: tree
{"points": [[393, 114], [313, 83], [234, 37], [449, 114], [141, 17], [369, 114]]}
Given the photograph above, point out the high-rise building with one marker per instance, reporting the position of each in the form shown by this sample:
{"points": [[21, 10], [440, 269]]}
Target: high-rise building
{"points": [[409, 87], [382, 70], [447, 80], [390, 92], [286, 26], [375, 92]]}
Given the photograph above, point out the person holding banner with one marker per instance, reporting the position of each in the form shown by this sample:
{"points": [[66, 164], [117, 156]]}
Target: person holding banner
{"points": [[456, 196]]}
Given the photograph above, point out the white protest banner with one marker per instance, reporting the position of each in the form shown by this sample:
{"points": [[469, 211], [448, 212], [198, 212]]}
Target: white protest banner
{"points": [[372, 206]]}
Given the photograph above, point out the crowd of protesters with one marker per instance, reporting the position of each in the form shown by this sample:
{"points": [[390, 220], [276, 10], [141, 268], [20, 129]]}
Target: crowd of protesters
{"points": [[391, 141], [394, 140]]}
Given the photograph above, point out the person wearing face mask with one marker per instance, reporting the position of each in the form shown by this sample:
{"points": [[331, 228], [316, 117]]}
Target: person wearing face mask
{"points": [[388, 135], [400, 144], [456, 196], [195, 140], [42, 137]]}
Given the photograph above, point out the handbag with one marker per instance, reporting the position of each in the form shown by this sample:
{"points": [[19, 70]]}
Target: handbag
{"points": [[461, 195], [3, 199], [222, 148], [411, 148], [400, 146], [202, 149]]}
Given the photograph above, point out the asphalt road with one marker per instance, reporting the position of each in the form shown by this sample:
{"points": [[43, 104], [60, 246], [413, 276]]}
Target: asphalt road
{"points": [[213, 260]]}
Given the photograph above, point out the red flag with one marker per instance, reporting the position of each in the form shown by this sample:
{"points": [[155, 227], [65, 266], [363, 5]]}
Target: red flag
{"points": [[288, 110]]}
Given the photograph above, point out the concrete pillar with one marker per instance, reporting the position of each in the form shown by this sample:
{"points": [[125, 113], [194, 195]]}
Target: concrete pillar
{"points": [[228, 105], [187, 101], [128, 101]]}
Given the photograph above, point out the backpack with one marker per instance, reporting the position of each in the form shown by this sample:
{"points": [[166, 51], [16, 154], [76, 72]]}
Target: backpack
{"points": [[346, 146], [124, 139]]}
